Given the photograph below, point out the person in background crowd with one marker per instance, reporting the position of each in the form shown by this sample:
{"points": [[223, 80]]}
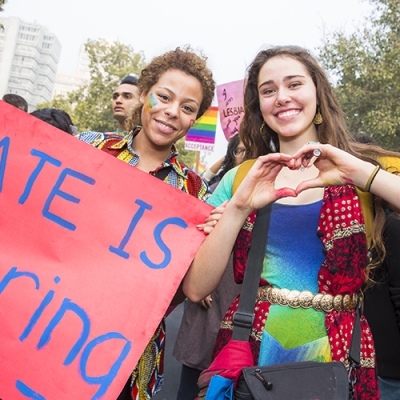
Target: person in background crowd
{"points": [[382, 309], [124, 98], [296, 138], [58, 118], [382, 304], [234, 156], [176, 88], [16, 101], [201, 321]]}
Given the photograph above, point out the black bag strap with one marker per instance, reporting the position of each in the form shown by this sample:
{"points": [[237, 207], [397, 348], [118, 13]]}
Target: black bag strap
{"points": [[163, 172], [244, 316], [354, 352]]}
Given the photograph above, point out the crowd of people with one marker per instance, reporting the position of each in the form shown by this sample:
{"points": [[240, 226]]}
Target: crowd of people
{"points": [[333, 218]]}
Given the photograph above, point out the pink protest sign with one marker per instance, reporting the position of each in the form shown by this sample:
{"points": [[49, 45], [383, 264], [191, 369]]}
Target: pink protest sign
{"points": [[230, 106], [92, 252]]}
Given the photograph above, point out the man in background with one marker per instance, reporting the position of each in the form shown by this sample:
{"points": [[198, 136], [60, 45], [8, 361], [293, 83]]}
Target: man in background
{"points": [[124, 97], [58, 118]]}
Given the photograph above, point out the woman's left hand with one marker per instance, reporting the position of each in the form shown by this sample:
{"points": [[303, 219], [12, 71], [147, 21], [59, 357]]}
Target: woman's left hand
{"points": [[336, 167], [212, 220], [206, 302]]}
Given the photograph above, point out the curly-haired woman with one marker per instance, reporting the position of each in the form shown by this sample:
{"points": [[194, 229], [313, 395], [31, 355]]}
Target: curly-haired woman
{"points": [[175, 88]]}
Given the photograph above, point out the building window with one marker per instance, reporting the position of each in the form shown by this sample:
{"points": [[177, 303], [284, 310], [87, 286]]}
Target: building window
{"points": [[25, 36]]}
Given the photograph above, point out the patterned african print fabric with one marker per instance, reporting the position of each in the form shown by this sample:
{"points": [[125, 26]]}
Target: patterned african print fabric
{"points": [[119, 132], [181, 177], [341, 231], [148, 375]]}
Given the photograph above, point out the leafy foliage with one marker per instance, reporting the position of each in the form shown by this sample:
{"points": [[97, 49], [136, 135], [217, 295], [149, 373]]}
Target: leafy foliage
{"points": [[90, 105], [2, 2], [188, 157], [366, 66]]}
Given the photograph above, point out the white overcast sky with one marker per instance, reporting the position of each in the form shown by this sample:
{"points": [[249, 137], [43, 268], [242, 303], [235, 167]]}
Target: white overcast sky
{"points": [[230, 33]]}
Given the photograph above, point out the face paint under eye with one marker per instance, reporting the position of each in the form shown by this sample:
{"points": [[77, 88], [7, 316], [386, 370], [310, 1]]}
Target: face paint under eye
{"points": [[151, 102]]}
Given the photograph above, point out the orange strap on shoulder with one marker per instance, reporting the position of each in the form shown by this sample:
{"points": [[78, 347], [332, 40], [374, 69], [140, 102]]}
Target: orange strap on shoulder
{"points": [[241, 173]]}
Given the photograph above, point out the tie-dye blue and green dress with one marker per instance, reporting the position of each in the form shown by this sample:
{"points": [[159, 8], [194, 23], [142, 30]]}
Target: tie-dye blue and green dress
{"points": [[293, 257]]}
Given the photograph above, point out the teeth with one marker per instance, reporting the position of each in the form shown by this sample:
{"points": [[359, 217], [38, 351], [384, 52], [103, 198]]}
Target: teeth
{"points": [[167, 126], [289, 113]]}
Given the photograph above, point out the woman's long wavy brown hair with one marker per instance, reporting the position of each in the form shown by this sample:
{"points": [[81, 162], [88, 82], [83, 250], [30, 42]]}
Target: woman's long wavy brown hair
{"points": [[332, 130]]}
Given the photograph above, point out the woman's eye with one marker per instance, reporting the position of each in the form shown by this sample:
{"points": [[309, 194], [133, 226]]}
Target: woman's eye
{"points": [[295, 84], [188, 109], [266, 92], [163, 97]]}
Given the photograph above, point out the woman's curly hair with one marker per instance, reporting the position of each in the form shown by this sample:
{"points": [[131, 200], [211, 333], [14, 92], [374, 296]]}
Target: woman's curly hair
{"points": [[185, 60]]}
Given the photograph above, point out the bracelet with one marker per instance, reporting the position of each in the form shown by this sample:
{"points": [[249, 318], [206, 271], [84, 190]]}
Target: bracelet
{"points": [[208, 175], [371, 178]]}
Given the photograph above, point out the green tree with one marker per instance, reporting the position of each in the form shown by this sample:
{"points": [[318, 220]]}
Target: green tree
{"points": [[90, 105], [2, 2], [366, 67], [188, 157]]}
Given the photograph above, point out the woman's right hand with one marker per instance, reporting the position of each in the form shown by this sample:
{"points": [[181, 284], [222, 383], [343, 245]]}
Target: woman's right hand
{"points": [[258, 187]]}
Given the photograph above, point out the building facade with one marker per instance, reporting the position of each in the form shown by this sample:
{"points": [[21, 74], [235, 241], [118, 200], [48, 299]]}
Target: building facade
{"points": [[29, 56], [68, 81]]}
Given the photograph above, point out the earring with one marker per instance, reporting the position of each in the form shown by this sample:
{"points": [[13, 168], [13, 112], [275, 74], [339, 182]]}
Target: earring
{"points": [[318, 117], [262, 127]]}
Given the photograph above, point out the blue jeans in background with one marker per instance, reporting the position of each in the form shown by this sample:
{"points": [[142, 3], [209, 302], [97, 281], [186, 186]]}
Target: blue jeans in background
{"points": [[389, 388]]}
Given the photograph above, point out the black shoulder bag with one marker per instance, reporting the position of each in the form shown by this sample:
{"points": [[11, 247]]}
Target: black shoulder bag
{"points": [[298, 380]]}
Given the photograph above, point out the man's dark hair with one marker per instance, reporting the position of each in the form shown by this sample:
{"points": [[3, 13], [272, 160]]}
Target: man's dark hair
{"points": [[58, 118], [130, 80], [16, 100]]}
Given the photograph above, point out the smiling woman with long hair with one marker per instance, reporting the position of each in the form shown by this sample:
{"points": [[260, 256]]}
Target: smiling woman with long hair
{"points": [[303, 161]]}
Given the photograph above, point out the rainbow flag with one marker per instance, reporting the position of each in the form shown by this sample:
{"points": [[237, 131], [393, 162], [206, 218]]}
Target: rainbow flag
{"points": [[201, 168], [202, 134]]}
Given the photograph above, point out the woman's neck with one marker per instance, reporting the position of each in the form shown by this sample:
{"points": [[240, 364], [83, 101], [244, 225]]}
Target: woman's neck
{"points": [[150, 155], [292, 144]]}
